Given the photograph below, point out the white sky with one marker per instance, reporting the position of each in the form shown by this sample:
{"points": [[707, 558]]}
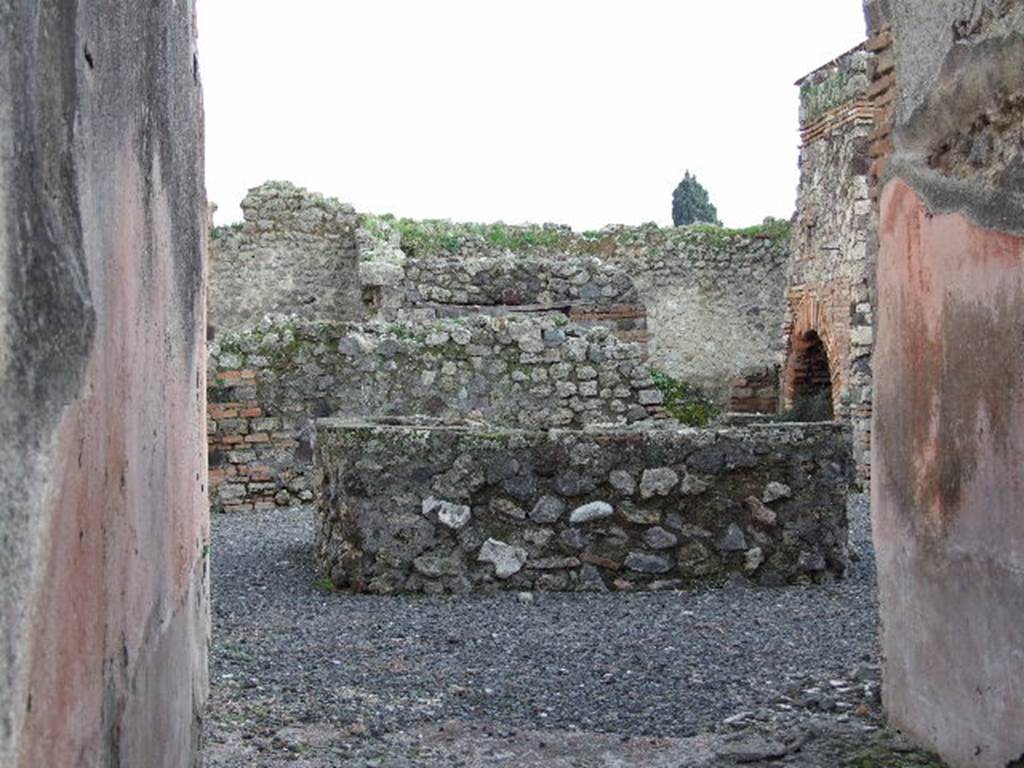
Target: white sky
{"points": [[583, 112]]}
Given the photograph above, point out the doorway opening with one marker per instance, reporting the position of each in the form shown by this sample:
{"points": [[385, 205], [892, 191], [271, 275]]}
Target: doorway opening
{"points": [[811, 379]]}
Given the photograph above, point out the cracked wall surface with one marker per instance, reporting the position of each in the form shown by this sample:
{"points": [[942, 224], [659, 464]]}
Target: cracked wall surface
{"points": [[102, 385], [948, 434]]}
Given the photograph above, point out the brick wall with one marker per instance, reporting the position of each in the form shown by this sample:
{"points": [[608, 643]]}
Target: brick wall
{"points": [[252, 456]]}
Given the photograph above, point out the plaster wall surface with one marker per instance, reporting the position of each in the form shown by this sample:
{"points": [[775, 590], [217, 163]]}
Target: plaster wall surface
{"points": [[713, 315], [102, 386], [948, 435]]}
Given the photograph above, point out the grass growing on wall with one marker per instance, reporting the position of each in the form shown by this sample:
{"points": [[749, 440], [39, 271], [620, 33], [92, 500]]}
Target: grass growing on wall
{"points": [[819, 98], [771, 229], [424, 238], [430, 237], [686, 402]]}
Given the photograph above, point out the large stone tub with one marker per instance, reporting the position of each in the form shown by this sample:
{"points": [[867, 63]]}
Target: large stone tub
{"points": [[412, 508]]}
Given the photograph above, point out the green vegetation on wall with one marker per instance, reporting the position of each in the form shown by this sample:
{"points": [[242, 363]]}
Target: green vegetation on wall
{"points": [[434, 237], [818, 98], [686, 402], [770, 229], [440, 237], [225, 230]]}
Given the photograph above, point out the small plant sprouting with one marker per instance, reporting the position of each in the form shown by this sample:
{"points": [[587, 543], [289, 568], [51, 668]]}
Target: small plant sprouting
{"points": [[326, 585], [687, 403]]}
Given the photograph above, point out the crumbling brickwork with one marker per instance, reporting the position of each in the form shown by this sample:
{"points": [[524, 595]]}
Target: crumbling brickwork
{"points": [[830, 279], [949, 383], [458, 509]]}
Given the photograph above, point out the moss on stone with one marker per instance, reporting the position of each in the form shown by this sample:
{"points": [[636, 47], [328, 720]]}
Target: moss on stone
{"points": [[880, 755]]}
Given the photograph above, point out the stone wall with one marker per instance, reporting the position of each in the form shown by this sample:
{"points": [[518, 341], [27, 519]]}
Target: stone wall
{"points": [[709, 300], [714, 306], [949, 383], [829, 293], [714, 298], [103, 525], [584, 289], [456, 509], [295, 253], [269, 383]]}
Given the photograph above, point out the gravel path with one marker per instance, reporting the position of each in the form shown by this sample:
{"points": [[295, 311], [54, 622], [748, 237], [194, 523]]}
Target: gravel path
{"points": [[305, 677]]}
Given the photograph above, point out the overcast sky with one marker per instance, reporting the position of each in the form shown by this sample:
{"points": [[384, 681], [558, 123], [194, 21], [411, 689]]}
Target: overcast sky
{"points": [[583, 112]]}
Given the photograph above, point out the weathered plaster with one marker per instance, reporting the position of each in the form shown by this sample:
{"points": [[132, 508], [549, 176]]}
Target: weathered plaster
{"points": [[949, 380], [948, 485], [102, 386]]}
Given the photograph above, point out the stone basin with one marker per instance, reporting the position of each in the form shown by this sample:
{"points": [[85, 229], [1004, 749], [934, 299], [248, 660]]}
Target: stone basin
{"points": [[443, 508]]}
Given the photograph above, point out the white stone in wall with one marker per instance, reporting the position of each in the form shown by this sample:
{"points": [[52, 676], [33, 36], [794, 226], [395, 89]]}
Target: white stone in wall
{"points": [[595, 510], [658, 482], [506, 559], [775, 491], [454, 516]]}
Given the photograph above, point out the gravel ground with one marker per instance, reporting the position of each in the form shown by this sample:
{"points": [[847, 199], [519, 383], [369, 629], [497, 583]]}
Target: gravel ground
{"points": [[302, 676]]}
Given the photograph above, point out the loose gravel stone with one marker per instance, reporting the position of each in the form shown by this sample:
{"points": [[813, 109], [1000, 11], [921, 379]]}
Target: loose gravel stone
{"points": [[304, 676]]}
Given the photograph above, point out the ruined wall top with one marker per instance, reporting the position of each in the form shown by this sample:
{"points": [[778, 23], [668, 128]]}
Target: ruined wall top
{"points": [[279, 208], [294, 253], [712, 296], [384, 236], [832, 85]]}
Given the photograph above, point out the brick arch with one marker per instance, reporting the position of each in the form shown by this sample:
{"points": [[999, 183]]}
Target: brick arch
{"points": [[811, 323]]}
